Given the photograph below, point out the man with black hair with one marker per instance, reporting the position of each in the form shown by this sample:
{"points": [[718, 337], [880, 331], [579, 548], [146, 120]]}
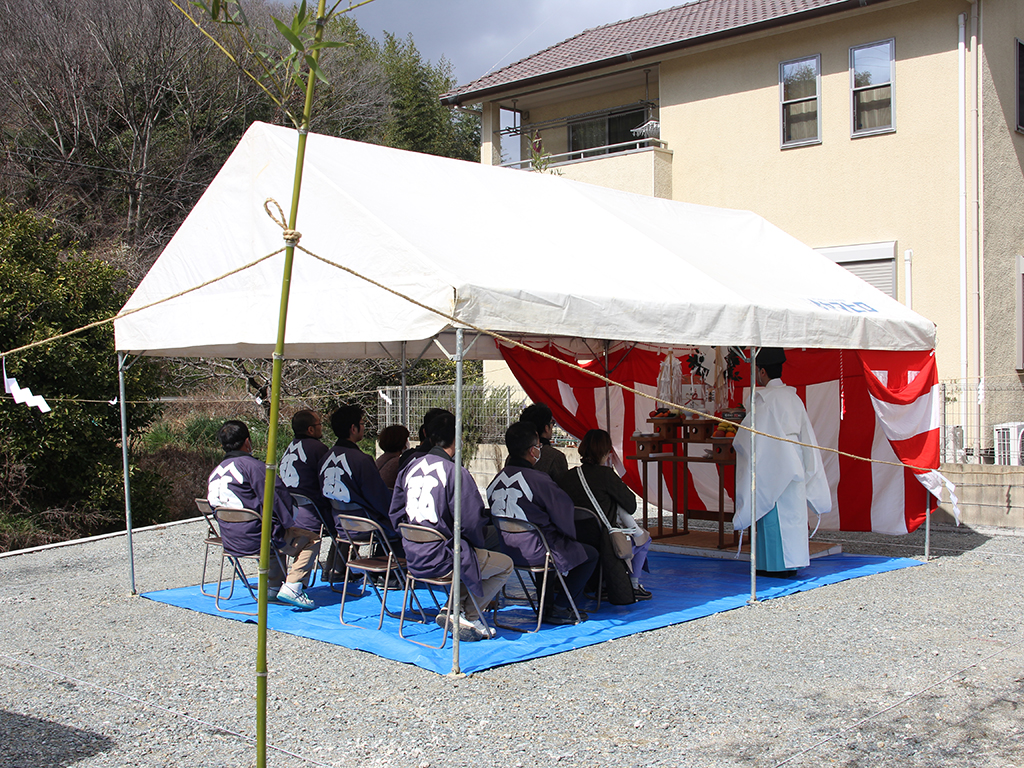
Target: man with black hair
{"points": [[419, 450], [790, 478], [300, 464], [239, 482], [300, 472], [425, 495], [350, 477], [552, 461], [521, 491]]}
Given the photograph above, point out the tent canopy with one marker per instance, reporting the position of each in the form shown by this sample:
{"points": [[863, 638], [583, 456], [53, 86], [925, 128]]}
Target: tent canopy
{"points": [[524, 254]]}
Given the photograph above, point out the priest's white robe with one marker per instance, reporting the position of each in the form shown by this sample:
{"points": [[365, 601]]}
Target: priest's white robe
{"points": [[789, 476]]}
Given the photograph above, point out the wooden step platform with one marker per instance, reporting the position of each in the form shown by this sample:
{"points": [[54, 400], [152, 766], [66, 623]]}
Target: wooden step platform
{"points": [[705, 544]]}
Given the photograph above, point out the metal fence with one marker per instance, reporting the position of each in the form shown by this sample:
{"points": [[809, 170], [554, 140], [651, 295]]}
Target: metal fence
{"points": [[982, 423], [486, 411]]}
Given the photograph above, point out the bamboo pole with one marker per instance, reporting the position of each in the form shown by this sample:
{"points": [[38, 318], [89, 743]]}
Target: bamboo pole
{"points": [[275, 402]]}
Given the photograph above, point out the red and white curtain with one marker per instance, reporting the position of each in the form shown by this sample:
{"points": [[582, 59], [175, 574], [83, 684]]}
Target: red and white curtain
{"points": [[879, 405]]}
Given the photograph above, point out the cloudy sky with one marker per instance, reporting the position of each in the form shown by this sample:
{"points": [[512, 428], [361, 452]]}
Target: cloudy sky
{"points": [[477, 36]]}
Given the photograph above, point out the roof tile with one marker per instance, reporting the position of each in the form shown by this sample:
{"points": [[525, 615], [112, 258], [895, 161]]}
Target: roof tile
{"points": [[680, 24]]}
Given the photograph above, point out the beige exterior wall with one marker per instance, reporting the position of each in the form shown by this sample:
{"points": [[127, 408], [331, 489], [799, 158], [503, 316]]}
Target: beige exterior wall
{"points": [[645, 172], [723, 106], [1003, 188]]}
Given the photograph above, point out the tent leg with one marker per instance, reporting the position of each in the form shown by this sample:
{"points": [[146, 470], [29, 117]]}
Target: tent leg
{"points": [[127, 480], [753, 479], [405, 390], [456, 608], [607, 393], [927, 529]]}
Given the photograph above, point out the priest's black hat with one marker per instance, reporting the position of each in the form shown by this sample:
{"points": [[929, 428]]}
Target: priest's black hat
{"points": [[770, 356]]}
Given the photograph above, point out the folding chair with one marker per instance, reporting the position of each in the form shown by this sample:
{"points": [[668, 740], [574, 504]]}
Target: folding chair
{"points": [[235, 516], [422, 535], [583, 514], [516, 525], [212, 540], [363, 532]]}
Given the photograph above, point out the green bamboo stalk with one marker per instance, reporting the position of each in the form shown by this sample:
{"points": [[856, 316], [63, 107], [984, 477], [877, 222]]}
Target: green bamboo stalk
{"points": [[275, 402]]}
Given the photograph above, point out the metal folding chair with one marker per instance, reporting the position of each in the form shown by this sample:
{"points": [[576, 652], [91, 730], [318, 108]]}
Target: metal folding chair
{"points": [[361, 532], [231, 516], [212, 540], [516, 525], [421, 534], [583, 514]]}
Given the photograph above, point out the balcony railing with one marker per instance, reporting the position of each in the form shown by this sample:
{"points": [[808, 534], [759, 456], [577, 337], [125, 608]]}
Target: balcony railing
{"points": [[591, 153]]}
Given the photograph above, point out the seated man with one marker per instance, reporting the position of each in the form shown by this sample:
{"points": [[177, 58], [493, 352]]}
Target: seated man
{"points": [[552, 461], [299, 470], [238, 482], [425, 495], [350, 477], [424, 445], [522, 492]]}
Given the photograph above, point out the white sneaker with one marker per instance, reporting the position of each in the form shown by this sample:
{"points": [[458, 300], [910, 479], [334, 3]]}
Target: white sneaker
{"points": [[295, 597], [485, 631]]}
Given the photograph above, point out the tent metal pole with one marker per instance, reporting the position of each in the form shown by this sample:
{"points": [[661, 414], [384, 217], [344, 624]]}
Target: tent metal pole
{"points": [[753, 478], [456, 607], [405, 391], [927, 528], [127, 477], [607, 392]]}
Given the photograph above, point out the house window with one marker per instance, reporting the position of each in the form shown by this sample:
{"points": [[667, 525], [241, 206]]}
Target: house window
{"points": [[598, 134], [871, 76], [874, 263], [1020, 86], [800, 91]]}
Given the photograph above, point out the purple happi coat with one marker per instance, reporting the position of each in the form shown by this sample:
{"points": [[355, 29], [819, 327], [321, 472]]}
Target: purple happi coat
{"points": [[239, 481], [299, 470], [525, 493], [350, 477], [425, 495]]}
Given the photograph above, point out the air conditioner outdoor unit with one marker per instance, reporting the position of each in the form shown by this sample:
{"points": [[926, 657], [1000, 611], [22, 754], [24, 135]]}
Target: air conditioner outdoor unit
{"points": [[1009, 443]]}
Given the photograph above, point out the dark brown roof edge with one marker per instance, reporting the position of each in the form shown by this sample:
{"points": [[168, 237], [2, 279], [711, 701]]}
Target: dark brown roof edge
{"points": [[455, 98]]}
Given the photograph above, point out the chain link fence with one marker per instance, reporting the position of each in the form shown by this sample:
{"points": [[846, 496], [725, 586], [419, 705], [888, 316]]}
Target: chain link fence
{"points": [[982, 423], [487, 411]]}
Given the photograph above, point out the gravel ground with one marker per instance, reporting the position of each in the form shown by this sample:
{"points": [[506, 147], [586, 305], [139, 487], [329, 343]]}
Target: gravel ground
{"points": [[918, 667]]}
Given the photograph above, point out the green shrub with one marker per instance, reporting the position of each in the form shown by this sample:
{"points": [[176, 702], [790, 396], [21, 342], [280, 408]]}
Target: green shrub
{"points": [[72, 455]]}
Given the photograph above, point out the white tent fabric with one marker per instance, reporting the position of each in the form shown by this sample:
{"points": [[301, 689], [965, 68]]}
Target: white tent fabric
{"points": [[520, 253]]}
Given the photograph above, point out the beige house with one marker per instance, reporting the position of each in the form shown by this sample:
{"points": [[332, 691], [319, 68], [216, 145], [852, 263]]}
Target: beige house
{"points": [[886, 133]]}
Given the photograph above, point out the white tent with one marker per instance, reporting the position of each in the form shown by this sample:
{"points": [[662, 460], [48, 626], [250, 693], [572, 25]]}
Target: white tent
{"points": [[520, 253]]}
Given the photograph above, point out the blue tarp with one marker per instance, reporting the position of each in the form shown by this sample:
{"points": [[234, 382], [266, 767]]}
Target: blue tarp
{"points": [[684, 587]]}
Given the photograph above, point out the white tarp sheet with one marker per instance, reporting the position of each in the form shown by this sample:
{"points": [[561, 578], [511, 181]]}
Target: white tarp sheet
{"points": [[521, 253]]}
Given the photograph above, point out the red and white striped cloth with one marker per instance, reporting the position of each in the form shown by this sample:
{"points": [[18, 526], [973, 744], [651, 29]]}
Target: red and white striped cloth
{"points": [[879, 405]]}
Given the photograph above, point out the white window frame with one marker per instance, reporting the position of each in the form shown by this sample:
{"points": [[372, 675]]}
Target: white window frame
{"points": [[891, 128], [783, 144], [1018, 285], [1019, 60]]}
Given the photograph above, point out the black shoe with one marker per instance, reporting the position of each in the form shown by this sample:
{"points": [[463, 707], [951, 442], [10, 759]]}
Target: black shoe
{"points": [[777, 574], [562, 616], [639, 593]]}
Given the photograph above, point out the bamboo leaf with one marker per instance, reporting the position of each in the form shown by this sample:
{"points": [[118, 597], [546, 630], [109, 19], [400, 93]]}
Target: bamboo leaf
{"points": [[328, 44], [288, 35], [215, 9], [315, 69]]}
